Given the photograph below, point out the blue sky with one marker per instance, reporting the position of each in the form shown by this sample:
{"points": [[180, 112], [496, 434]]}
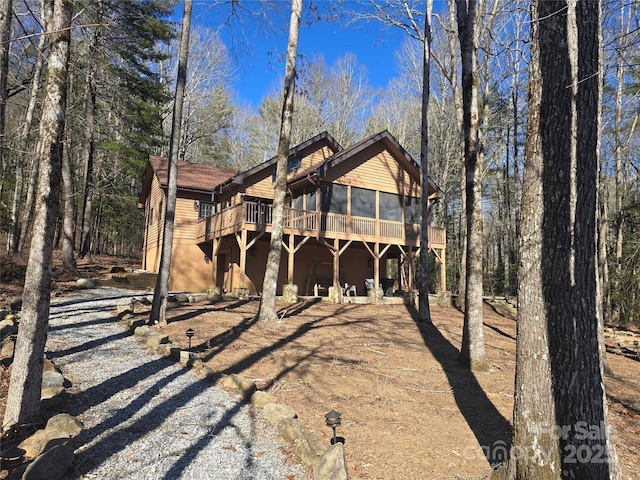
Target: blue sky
{"points": [[258, 59]]}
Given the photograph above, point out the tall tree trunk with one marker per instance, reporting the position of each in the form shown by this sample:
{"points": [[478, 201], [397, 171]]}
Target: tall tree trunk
{"points": [[5, 46], [560, 413], [472, 351], [25, 136], [617, 132], [89, 151], [23, 399], [267, 310], [161, 293], [27, 211], [425, 313], [68, 220]]}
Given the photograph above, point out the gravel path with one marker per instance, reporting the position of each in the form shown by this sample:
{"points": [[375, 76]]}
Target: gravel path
{"points": [[145, 416]]}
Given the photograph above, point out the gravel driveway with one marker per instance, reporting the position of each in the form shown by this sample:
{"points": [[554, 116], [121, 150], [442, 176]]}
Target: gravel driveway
{"points": [[145, 416]]}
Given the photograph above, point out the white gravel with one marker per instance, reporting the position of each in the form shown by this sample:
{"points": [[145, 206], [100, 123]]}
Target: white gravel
{"points": [[145, 416]]}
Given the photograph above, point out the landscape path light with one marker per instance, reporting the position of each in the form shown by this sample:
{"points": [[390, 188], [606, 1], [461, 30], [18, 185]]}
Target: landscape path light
{"points": [[190, 333], [333, 419]]}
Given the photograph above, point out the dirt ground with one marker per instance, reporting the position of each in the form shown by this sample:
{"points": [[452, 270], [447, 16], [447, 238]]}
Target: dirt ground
{"points": [[409, 411]]}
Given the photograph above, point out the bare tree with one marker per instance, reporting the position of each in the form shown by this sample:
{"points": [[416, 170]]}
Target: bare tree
{"points": [[23, 399], [425, 313], [69, 214], [334, 98], [472, 351], [25, 135], [89, 155], [404, 15], [5, 45], [560, 411], [267, 309], [159, 306], [208, 105]]}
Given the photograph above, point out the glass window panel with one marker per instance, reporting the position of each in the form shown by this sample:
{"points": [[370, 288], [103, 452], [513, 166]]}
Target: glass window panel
{"points": [[363, 202], [334, 199], [311, 201], [297, 202], [390, 207], [207, 209], [412, 210]]}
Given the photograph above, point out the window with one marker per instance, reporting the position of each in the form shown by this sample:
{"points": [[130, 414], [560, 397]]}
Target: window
{"points": [[292, 165], [363, 202], [297, 202], [311, 201], [160, 212], [390, 207], [207, 209], [334, 199], [150, 219], [412, 210]]}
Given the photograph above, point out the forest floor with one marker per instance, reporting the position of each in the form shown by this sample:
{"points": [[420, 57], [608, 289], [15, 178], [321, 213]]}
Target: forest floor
{"points": [[409, 410]]}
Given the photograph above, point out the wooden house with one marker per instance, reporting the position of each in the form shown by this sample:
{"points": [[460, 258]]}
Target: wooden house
{"points": [[351, 221], [189, 270]]}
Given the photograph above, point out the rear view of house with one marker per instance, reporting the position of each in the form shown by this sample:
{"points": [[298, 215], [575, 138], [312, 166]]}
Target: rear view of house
{"points": [[351, 221]]}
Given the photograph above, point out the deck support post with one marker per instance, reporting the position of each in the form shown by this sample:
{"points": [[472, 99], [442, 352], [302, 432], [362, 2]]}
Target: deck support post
{"points": [[215, 246], [242, 243]]}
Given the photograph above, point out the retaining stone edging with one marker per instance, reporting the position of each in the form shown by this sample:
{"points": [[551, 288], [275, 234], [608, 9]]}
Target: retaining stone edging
{"points": [[48, 452], [328, 463]]}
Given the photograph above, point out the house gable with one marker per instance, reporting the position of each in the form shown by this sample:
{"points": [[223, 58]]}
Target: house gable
{"points": [[258, 181], [377, 162]]}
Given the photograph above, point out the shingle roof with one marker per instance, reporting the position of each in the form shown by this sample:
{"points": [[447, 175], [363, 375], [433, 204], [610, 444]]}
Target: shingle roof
{"points": [[191, 176]]}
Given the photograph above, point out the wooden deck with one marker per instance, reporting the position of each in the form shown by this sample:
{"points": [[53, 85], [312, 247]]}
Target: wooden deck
{"points": [[257, 217]]}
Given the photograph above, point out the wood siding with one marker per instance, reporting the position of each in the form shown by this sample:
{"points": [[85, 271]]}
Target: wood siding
{"points": [[375, 168], [189, 270], [261, 184]]}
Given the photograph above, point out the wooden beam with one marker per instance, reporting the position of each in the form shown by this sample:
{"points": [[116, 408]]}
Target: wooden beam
{"points": [[214, 260], [373, 255], [252, 242], [384, 250], [302, 242], [410, 256], [443, 270], [242, 243], [376, 265], [341, 251], [336, 268], [291, 259]]}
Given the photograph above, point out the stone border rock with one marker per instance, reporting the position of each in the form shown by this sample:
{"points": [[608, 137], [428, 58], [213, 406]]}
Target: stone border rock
{"points": [[328, 463], [49, 452]]}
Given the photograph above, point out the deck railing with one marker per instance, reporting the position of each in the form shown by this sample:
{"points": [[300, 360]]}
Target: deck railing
{"points": [[258, 216]]}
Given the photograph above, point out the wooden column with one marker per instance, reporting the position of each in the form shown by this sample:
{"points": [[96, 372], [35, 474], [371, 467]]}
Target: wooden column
{"points": [[290, 262], [410, 267], [215, 246], [443, 270], [242, 243], [376, 265]]}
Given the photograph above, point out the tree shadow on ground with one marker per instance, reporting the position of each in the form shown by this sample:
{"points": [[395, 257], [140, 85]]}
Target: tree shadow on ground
{"points": [[496, 311], [226, 338], [499, 331], [112, 439], [492, 431]]}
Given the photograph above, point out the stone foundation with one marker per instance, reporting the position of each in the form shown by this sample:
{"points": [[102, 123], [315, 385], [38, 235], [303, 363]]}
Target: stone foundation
{"points": [[290, 293]]}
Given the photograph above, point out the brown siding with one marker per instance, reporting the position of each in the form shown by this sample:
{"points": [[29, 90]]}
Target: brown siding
{"points": [[380, 172], [316, 158], [189, 270], [153, 228], [263, 186]]}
